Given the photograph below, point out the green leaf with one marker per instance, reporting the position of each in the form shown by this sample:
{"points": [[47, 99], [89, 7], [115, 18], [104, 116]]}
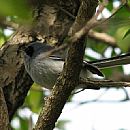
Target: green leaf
{"points": [[121, 12], [124, 44], [110, 6], [34, 99], [108, 72], [96, 46], [127, 33], [24, 123]]}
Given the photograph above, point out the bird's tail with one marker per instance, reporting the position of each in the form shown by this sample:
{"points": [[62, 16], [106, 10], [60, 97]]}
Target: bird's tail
{"points": [[94, 66], [93, 69]]}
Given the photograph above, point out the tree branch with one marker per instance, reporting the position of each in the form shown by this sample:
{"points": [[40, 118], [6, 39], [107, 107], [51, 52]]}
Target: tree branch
{"points": [[4, 118], [13, 78], [113, 61], [65, 84], [103, 37], [96, 84]]}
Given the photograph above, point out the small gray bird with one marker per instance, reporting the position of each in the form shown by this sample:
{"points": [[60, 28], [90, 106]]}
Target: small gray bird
{"points": [[45, 70]]}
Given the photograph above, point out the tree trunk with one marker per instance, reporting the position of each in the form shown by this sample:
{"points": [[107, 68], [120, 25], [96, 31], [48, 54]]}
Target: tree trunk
{"points": [[51, 24], [52, 21]]}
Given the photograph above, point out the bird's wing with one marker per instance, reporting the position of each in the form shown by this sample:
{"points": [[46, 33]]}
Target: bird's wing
{"points": [[55, 57], [86, 65]]}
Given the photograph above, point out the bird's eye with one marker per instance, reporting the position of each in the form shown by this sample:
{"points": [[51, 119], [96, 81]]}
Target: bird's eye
{"points": [[29, 51]]}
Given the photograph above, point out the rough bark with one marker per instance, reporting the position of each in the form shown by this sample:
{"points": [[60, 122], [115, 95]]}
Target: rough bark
{"points": [[13, 79], [62, 90], [66, 82], [51, 24], [4, 121]]}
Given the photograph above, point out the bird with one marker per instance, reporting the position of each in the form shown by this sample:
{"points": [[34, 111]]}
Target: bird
{"points": [[45, 70]]}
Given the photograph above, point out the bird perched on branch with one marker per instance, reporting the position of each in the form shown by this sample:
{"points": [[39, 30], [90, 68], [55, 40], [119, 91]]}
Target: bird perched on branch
{"points": [[44, 70]]}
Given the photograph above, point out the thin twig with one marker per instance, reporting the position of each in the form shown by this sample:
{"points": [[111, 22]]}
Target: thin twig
{"points": [[103, 37], [114, 13], [83, 31], [99, 11]]}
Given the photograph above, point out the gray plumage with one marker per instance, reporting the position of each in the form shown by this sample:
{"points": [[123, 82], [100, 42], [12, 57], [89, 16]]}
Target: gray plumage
{"points": [[45, 70]]}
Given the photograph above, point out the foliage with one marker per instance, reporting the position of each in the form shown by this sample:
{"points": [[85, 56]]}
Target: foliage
{"points": [[118, 27], [127, 33], [15, 10]]}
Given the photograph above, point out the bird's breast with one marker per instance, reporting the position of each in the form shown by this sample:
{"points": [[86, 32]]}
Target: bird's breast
{"points": [[45, 72]]}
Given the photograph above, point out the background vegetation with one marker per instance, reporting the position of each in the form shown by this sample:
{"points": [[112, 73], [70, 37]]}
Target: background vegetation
{"points": [[109, 39]]}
